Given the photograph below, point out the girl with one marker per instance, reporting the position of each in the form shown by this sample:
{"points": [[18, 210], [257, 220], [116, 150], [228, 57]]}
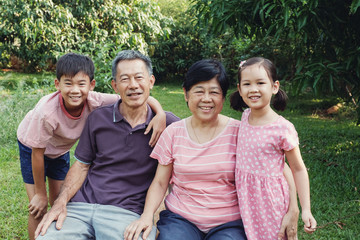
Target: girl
{"points": [[264, 139]]}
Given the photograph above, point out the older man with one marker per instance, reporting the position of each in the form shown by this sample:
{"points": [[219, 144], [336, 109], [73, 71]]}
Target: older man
{"points": [[106, 187]]}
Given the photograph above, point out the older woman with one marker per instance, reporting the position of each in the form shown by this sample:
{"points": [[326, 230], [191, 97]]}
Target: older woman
{"points": [[197, 156]]}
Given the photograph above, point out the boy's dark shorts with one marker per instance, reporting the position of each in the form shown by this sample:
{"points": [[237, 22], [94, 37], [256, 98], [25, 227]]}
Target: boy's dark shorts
{"points": [[54, 168]]}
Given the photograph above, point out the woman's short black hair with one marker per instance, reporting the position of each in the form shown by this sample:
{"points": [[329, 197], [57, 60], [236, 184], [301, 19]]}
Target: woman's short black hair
{"points": [[205, 70]]}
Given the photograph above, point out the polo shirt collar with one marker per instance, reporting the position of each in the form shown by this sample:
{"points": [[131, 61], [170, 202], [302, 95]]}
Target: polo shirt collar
{"points": [[117, 116]]}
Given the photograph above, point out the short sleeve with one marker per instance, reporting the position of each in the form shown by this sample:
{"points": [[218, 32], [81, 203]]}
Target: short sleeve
{"points": [[85, 151], [96, 99], [289, 139], [163, 148]]}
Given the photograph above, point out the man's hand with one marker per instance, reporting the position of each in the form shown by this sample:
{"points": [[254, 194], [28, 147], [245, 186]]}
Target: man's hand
{"points": [[134, 230], [158, 124], [38, 205], [289, 225], [57, 212]]}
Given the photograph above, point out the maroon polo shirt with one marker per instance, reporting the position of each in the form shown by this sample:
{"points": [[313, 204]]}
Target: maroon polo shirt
{"points": [[121, 170]]}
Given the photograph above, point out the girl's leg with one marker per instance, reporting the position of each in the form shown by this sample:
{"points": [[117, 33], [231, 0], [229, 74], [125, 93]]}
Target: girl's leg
{"points": [[229, 231], [175, 227]]}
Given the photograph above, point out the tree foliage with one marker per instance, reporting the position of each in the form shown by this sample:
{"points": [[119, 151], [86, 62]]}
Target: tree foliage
{"points": [[38, 31], [317, 42]]}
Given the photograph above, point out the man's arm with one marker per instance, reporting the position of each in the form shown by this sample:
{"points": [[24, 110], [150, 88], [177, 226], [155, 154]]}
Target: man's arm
{"points": [[158, 123], [38, 204], [73, 181]]}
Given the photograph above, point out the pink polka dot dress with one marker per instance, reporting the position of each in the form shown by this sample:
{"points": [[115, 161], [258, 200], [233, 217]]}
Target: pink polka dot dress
{"points": [[262, 189]]}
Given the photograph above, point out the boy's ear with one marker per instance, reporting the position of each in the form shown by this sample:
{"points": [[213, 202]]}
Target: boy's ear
{"points": [[92, 84], [57, 84]]}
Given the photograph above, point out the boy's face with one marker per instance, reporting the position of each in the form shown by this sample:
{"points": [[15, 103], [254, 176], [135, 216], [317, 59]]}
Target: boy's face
{"points": [[74, 91]]}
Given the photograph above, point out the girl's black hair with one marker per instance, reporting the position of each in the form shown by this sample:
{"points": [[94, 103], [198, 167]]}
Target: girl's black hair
{"points": [[280, 99], [205, 70]]}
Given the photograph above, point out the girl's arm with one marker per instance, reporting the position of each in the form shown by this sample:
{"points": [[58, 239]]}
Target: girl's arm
{"points": [[303, 187], [158, 123], [154, 197], [290, 220], [38, 204]]}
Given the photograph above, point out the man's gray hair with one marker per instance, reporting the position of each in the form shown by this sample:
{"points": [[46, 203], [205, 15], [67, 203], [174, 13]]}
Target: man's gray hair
{"points": [[130, 55]]}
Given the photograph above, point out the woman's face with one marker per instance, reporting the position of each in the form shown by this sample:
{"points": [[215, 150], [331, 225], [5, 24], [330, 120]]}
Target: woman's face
{"points": [[205, 100]]}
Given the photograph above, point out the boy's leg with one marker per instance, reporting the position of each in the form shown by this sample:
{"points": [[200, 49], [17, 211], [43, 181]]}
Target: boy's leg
{"points": [[26, 171], [32, 222], [175, 227], [54, 189], [229, 231], [56, 170], [110, 222]]}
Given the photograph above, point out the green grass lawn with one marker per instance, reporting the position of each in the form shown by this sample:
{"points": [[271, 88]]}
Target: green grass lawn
{"points": [[330, 149]]}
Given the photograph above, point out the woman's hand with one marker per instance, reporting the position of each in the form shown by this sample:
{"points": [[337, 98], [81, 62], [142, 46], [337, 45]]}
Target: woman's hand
{"points": [[133, 231], [289, 225]]}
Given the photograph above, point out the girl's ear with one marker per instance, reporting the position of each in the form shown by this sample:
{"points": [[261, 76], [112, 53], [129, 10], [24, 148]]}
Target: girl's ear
{"points": [[276, 87], [238, 88]]}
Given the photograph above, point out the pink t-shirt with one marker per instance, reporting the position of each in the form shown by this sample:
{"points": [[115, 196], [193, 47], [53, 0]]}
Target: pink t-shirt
{"points": [[50, 126], [203, 179], [262, 188]]}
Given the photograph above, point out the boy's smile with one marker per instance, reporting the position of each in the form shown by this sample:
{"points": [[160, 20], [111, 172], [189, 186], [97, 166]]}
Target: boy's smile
{"points": [[74, 91]]}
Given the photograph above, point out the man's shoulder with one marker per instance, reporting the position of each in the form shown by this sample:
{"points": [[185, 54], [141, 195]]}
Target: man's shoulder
{"points": [[102, 110], [170, 118]]}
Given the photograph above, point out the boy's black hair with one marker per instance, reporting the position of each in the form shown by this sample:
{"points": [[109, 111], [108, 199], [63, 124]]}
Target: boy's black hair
{"points": [[71, 64], [280, 99], [205, 70]]}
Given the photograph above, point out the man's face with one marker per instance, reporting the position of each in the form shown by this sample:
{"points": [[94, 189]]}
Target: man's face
{"points": [[133, 83]]}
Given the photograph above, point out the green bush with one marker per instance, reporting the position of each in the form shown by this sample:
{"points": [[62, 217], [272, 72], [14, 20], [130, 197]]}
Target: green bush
{"points": [[36, 32]]}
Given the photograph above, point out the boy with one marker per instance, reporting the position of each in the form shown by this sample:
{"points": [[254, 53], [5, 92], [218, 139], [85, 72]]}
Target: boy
{"points": [[48, 132]]}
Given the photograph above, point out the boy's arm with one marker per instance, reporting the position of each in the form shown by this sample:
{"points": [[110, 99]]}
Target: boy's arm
{"points": [[303, 187], [39, 202], [154, 197], [158, 123], [290, 220], [73, 181]]}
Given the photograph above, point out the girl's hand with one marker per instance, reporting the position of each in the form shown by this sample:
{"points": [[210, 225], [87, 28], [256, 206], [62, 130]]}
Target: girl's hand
{"points": [[158, 124], [309, 222], [38, 205], [133, 231]]}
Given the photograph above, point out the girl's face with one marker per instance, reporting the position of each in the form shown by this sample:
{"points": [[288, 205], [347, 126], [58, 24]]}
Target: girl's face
{"points": [[205, 100], [256, 88]]}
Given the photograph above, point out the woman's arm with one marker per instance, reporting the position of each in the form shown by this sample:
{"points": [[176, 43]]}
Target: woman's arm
{"points": [[154, 197], [290, 220], [158, 123], [303, 187]]}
